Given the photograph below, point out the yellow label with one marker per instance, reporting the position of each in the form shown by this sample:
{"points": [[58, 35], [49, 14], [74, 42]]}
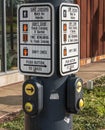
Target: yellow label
{"points": [[29, 89], [28, 107]]}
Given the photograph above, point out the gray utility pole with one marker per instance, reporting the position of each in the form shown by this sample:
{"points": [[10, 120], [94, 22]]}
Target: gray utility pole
{"points": [[48, 37]]}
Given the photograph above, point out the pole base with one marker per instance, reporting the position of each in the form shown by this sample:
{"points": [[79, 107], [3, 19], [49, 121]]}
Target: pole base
{"points": [[32, 123]]}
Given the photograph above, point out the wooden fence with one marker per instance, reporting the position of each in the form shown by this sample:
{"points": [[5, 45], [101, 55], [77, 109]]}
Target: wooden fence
{"points": [[92, 28]]}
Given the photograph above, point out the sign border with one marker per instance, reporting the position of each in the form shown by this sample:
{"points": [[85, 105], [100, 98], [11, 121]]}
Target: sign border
{"points": [[60, 39], [52, 39]]}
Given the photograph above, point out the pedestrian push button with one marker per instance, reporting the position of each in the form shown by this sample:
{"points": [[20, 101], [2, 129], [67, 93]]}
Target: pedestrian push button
{"points": [[30, 89], [74, 95], [28, 107], [32, 97]]}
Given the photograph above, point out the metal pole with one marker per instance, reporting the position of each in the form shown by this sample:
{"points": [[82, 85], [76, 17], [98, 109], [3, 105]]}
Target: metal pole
{"points": [[53, 115]]}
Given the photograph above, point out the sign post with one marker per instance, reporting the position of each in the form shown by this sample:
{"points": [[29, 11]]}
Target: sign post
{"points": [[48, 46]]}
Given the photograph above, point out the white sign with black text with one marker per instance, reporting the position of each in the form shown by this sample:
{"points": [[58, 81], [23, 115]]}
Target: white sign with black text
{"points": [[35, 39], [69, 24]]}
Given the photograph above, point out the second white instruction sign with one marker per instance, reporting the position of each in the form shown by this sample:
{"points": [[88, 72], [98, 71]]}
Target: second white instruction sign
{"points": [[69, 24]]}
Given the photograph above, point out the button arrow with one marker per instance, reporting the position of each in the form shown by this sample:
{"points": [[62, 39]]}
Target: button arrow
{"points": [[30, 89]]}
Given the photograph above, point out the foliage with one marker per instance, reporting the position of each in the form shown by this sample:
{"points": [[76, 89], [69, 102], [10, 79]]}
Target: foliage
{"points": [[16, 124], [8, 62], [92, 117]]}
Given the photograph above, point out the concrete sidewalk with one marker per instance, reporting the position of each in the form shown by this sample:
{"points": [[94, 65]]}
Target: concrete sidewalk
{"points": [[92, 71], [11, 96], [10, 101]]}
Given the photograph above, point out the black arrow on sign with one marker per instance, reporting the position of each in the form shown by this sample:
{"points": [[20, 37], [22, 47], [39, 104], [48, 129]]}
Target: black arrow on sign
{"points": [[36, 65], [70, 64]]}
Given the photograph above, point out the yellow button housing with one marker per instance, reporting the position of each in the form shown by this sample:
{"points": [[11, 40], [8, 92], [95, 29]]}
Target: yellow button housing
{"points": [[79, 87], [81, 103], [29, 89], [28, 107]]}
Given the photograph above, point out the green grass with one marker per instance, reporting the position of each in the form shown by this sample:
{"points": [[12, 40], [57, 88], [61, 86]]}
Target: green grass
{"points": [[92, 117], [16, 124]]}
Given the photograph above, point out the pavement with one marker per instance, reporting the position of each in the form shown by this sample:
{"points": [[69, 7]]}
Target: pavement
{"points": [[92, 71], [11, 95], [10, 101]]}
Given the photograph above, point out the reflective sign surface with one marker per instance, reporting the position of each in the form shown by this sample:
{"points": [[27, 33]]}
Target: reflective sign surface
{"points": [[69, 25], [35, 39]]}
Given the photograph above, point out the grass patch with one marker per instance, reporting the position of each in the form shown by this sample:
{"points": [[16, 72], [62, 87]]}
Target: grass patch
{"points": [[16, 124], [92, 117]]}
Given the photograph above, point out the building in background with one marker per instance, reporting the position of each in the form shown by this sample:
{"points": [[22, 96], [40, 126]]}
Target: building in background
{"points": [[8, 42]]}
